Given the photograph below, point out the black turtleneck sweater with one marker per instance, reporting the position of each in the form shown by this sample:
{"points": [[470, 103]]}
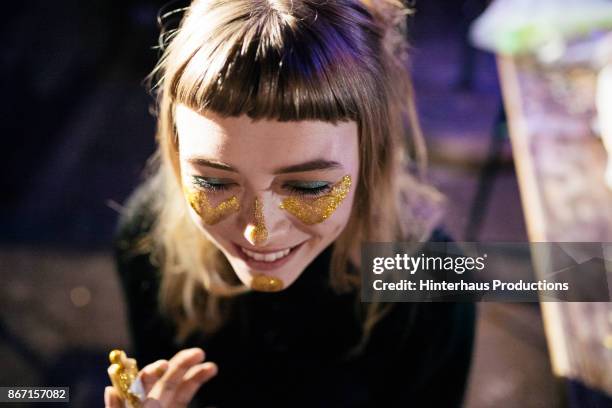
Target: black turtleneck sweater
{"points": [[289, 348]]}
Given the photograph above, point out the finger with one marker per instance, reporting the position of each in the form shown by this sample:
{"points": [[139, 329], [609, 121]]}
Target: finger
{"points": [[151, 373], [111, 398], [151, 403], [164, 389], [193, 380]]}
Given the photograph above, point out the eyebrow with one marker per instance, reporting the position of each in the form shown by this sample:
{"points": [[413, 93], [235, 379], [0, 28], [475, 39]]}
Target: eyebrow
{"points": [[316, 164], [198, 161]]}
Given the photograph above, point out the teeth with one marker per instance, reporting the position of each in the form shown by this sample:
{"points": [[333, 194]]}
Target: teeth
{"points": [[271, 257]]}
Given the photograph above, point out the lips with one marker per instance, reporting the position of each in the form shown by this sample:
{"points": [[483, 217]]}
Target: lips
{"points": [[267, 260], [268, 256]]}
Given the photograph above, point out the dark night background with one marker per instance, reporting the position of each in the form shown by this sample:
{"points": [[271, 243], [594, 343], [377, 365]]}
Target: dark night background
{"points": [[76, 122], [77, 132]]}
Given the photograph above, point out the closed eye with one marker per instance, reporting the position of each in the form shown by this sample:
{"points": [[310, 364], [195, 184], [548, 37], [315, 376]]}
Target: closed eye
{"points": [[211, 184], [309, 188]]}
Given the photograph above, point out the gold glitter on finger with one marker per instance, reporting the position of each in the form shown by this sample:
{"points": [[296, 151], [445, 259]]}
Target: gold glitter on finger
{"points": [[210, 214], [123, 373], [263, 283], [318, 210]]}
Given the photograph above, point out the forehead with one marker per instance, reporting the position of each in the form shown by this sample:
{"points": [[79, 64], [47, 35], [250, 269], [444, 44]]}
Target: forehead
{"points": [[240, 141]]}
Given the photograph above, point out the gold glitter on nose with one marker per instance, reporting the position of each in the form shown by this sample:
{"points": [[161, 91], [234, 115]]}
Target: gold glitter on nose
{"points": [[210, 214], [263, 283], [318, 210], [258, 233]]}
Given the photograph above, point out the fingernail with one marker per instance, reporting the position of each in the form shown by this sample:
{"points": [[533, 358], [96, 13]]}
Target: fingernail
{"points": [[212, 367]]}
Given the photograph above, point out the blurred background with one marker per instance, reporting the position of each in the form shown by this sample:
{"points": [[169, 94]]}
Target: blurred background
{"points": [[77, 132]]}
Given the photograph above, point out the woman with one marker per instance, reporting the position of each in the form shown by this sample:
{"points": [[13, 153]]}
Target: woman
{"points": [[281, 128]]}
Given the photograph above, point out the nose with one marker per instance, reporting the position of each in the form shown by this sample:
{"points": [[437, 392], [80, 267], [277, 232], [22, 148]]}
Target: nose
{"points": [[255, 231], [264, 223]]}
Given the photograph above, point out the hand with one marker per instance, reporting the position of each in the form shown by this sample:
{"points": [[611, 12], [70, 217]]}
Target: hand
{"points": [[169, 383]]}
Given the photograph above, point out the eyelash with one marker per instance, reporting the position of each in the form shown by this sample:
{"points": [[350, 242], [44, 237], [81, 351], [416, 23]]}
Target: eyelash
{"points": [[306, 191], [202, 183]]}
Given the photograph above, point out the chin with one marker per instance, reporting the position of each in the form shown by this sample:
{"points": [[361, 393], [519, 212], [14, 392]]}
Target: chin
{"points": [[286, 269]]}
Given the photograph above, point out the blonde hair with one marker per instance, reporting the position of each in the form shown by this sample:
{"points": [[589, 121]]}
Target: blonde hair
{"points": [[288, 60]]}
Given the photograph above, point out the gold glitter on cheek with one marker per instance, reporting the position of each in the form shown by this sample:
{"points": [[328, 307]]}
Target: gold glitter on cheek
{"points": [[263, 283], [318, 210], [210, 214]]}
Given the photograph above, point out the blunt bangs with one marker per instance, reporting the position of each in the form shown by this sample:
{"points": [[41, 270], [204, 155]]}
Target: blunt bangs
{"points": [[268, 60]]}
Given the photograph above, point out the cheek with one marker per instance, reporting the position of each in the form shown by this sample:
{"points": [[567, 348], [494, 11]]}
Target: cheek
{"points": [[330, 228], [202, 226], [210, 213], [312, 212], [220, 235], [215, 232], [341, 217]]}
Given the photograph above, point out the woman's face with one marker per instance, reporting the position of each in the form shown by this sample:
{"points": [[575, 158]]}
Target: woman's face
{"points": [[271, 195]]}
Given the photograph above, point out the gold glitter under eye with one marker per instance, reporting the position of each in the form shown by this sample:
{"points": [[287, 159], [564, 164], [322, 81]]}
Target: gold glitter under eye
{"points": [[318, 210], [210, 214], [263, 283]]}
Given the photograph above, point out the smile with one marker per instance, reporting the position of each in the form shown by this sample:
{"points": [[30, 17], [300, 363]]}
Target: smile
{"points": [[268, 260], [268, 256]]}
